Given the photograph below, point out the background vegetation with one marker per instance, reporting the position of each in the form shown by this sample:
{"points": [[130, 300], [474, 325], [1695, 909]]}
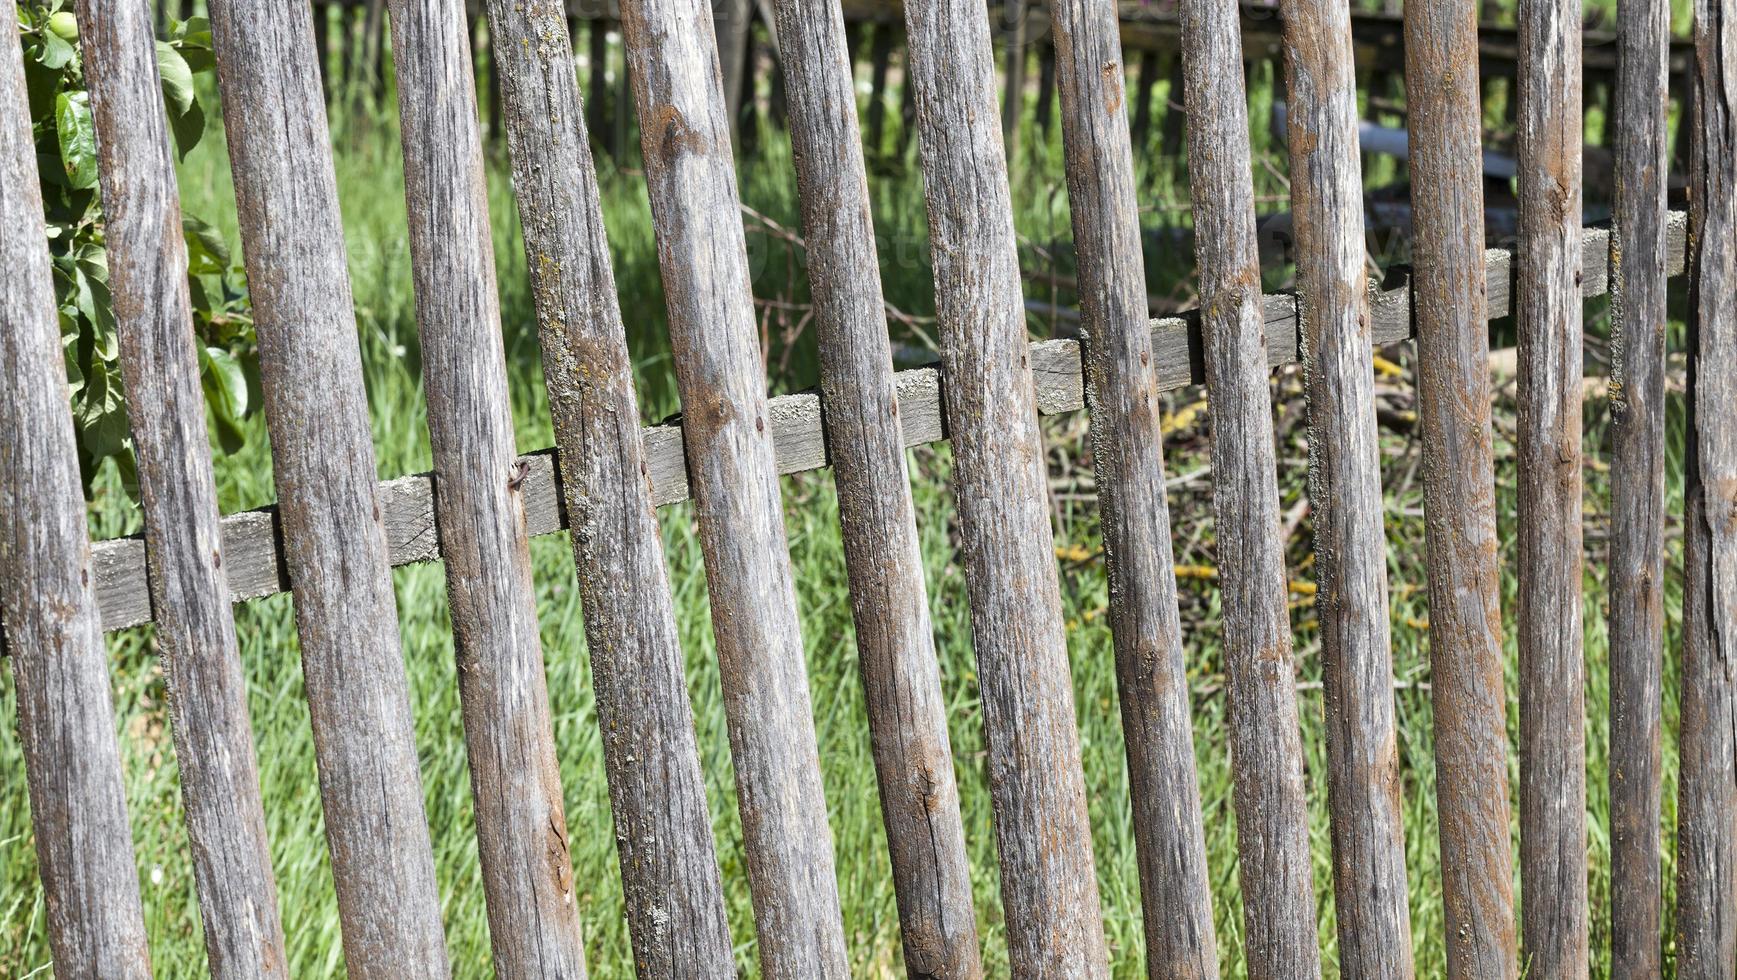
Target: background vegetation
{"points": [[371, 188]]}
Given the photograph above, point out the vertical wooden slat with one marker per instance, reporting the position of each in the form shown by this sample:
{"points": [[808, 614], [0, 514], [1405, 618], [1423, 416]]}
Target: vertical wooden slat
{"points": [[1707, 808], [521, 825], [1637, 486], [66, 726], [323, 464], [1367, 823], [189, 587], [1465, 624], [1128, 457], [895, 645], [1266, 742], [907, 100], [1547, 314], [733, 473], [1048, 885], [674, 895]]}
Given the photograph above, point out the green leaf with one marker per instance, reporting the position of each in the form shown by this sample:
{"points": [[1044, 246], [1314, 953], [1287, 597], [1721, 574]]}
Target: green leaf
{"points": [[189, 129], [225, 385], [69, 348], [55, 53], [207, 252], [192, 37], [177, 78], [186, 116], [77, 134]]}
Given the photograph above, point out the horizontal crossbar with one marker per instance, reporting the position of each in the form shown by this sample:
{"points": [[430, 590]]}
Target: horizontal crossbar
{"points": [[252, 550]]}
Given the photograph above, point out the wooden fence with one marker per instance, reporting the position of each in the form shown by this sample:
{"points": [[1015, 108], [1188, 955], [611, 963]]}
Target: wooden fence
{"points": [[335, 532]]}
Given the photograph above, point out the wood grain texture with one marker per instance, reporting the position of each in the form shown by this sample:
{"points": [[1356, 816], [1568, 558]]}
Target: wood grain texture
{"points": [[1465, 620], [1707, 804], [1547, 529], [207, 688], [66, 726], [685, 136], [1637, 486], [1128, 461], [253, 549], [1049, 888], [889, 600], [521, 823], [673, 890], [1272, 819], [1345, 497], [334, 542]]}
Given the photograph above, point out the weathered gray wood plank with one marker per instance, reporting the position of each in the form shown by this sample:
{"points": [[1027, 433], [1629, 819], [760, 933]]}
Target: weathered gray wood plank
{"points": [[673, 890], [1707, 805], [521, 825], [1345, 498], [889, 600], [1272, 817], [1049, 888], [1637, 487], [1547, 530], [334, 540], [251, 540], [685, 136], [1128, 459], [1465, 619], [66, 727], [207, 689]]}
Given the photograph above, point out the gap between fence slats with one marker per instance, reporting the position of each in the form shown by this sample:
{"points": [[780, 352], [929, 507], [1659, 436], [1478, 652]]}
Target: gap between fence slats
{"points": [[1547, 529], [66, 726], [253, 551], [334, 535], [1707, 806], [189, 585], [1453, 386], [1049, 888], [1272, 817], [521, 823], [685, 134], [1345, 495], [671, 883], [889, 600], [1637, 487]]}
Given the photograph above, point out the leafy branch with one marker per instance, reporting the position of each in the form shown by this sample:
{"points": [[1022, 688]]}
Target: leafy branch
{"points": [[66, 157]]}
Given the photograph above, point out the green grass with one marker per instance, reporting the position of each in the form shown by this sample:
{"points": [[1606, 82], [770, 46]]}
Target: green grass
{"points": [[370, 183]]}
